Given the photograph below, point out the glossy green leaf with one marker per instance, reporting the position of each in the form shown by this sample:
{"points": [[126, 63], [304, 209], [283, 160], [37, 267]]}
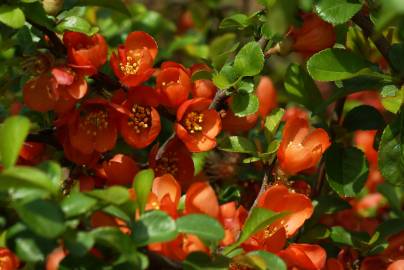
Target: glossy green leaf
{"points": [[363, 117], [79, 243], [28, 250], [114, 238], [315, 234], [12, 136], [114, 195], [76, 24], [257, 220], [261, 260], [301, 87], [237, 144], [220, 48], [337, 64], [202, 261], [238, 21], [12, 16], [244, 104], [249, 60], [21, 176], [205, 227], [142, 184], [346, 169], [272, 122], [392, 98], [77, 203], [53, 170], [391, 152], [117, 5], [226, 78], [154, 227], [337, 11], [43, 217], [394, 195]]}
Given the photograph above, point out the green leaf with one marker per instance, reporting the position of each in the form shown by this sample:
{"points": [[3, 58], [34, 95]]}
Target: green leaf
{"points": [[202, 261], [272, 122], [301, 87], [154, 227], [315, 234], [36, 13], [143, 184], [237, 144], [392, 98], [257, 221], [249, 60], [117, 5], [20, 176], [79, 243], [77, 203], [12, 136], [226, 78], [12, 16], [391, 152], [328, 205], [27, 249], [337, 11], [116, 195], [244, 104], [205, 227], [76, 24], [45, 218], [363, 117], [53, 170], [220, 49], [346, 169], [337, 64], [201, 75], [261, 260], [114, 238], [394, 196], [238, 21]]}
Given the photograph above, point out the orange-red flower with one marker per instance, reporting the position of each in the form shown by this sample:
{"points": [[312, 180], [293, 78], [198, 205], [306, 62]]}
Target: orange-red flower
{"points": [[173, 84], [267, 96], [120, 170], [175, 160], [31, 153], [197, 125], [202, 88], [279, 199], [8, 260], [235, 124], [201, 199], [57, 91], [140, 122], [134, 62], [93, 127], [86, 53], [314, 35], [304, 256], [397, 265], [301, 149], [54, 258]]}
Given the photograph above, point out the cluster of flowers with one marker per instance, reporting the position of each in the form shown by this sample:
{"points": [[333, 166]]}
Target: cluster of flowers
{"points": [[89, 127]]}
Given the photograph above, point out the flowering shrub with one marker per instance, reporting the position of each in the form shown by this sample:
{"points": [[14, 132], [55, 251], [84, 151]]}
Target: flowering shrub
{"points": [[202, 135]]}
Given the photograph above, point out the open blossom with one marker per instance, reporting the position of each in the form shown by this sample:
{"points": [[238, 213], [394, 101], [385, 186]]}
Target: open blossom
{"points": [[120, 170], [85, 53], [279, 199], [92, 127], [8, 260], [313, 36], [173, 84], [175, 160], [301, 149], [134, 62], [197, 125], [304, 256], [58, 90], [139, 123]]}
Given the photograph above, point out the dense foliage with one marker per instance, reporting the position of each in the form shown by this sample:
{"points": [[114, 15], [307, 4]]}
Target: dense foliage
{"points": [[207, 134]]}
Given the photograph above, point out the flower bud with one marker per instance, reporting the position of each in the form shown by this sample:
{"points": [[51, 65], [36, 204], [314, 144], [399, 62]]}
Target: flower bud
{"points": [[52, 7]]}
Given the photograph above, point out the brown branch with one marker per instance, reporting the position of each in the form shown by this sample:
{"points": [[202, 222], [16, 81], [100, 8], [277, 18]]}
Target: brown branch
{"points": [[55, 44], [45, 136], [266, 181], [368, 29]]}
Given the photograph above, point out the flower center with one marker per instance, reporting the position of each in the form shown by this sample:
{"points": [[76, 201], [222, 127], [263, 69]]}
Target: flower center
{"points": [[193, 122], [140, 119], [95, 121], [132, 63], [167, 84], [167, 165]]}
